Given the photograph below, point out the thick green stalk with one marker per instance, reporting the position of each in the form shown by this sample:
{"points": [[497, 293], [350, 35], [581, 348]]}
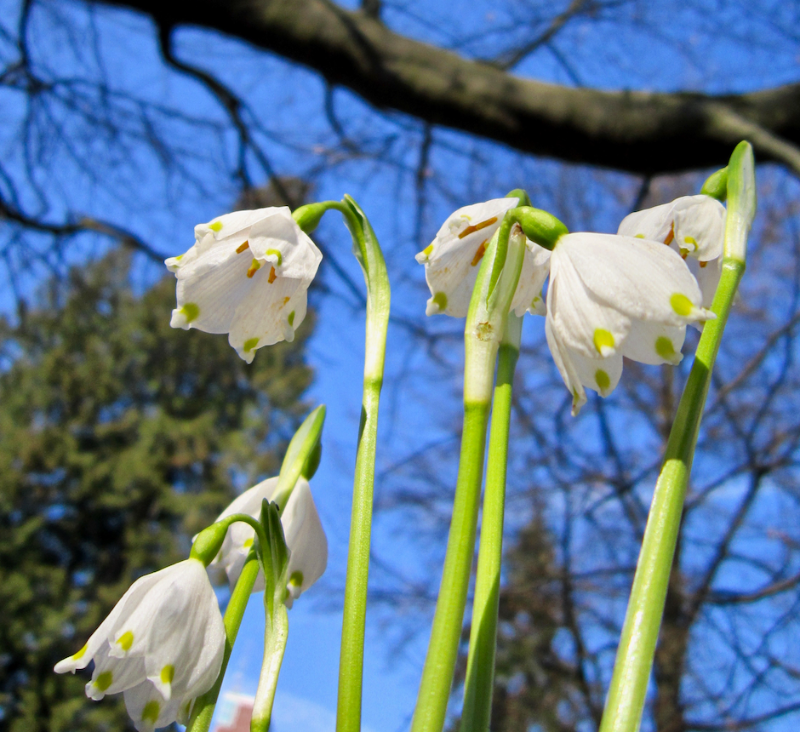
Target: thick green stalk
{"points": [[437, 676], [204, 707], [351, 660], [276, 633], [476, 713], [486, 323], [634, 661]]}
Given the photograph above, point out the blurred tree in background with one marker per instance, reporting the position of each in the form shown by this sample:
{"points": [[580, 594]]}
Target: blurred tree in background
{"points": [[119, 439]]}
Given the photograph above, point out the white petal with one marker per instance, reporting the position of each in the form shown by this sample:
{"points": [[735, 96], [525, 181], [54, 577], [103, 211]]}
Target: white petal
{"points": [[452, 273], [239, 537], [643, 279], [306, 540], [535, 268], [653, 343], [599, 374], [262, 317], [474, 215], [104, 635], [186, 637], [148, 709], [113, 675], [707, 274], [279, 240], [235, 222], [452, 259], [654, 223], [583, 323], [565, 366], [211, 287], [700, 227]]}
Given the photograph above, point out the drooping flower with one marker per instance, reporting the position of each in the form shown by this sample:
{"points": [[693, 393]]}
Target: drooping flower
{"points": [[613, 296], [451, 261], [694, 226], [246, 275], [305, 537], [162, 645]]}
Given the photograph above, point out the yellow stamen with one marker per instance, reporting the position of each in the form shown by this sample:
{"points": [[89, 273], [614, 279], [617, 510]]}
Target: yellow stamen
{"points": [[479, 254], [477, 227], [272, 275], [255, 265], [242, 247], [670, 236]]}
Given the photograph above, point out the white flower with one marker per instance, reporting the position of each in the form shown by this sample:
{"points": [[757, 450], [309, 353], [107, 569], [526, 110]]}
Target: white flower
{"points": [[613, 296], [162, 645], [451, 261], [693, 226], [305, 537], [247, 275]]}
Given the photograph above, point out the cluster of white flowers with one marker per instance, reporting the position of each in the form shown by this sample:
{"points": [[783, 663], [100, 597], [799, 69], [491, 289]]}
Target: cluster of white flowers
{"points": [[609, 295], [162, 644]]}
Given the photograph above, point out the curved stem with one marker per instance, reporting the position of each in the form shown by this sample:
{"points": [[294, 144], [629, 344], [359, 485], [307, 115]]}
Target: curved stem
{"points": [[479, 682], [351, 660]]}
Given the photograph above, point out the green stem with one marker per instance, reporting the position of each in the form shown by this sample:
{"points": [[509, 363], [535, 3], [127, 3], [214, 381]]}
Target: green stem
{"points": [[276, 634], [634, 662], [351, 659], [479, 682], [204, 707], [440, 663]]}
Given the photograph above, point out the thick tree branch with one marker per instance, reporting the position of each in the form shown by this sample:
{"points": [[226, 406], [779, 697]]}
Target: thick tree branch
{"points": [[640, 132]]}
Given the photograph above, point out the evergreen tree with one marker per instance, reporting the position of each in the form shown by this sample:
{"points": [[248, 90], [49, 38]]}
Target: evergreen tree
{"points": [[119, 439]]}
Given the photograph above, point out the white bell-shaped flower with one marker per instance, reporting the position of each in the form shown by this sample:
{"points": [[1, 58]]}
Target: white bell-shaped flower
{"points": [[247, 275], [693, 226], [305, 537], [451, 261], [162, 645], [613, 296]]}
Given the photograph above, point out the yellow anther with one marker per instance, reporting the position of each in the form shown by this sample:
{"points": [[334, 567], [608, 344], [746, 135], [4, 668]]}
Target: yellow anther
{"points": [[255, 265], [477, 227], [242, 247], [479, 254]]}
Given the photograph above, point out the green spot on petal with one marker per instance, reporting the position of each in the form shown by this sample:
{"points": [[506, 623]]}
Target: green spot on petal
{"points": [[125, 641], [216, 226], [440, 300], [639, 236], [427, 250], [191, 311], [602, 379], [167, 674], [150, 711], [664, 348], [250, 344], [691, 241], [291, 318], [296, 580], [681, 304], [247, 543], [277, 254], [80, 654], [603, 341], [104, 680]]}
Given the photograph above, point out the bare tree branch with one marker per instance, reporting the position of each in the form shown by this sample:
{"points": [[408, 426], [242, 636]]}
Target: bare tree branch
{"points": [[640, 132]]}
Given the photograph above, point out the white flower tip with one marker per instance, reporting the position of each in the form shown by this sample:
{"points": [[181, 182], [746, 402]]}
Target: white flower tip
{"points": [[65, 665], [578, 400], [288, 331], [606, 351], [173, 263], [183, 316], [163, 681], [75, 661]]}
